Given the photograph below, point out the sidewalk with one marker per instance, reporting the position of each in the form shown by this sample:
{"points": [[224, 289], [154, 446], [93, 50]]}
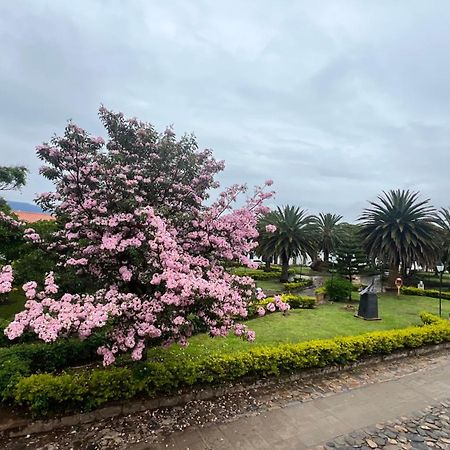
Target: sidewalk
{"points": [[306, 425]]}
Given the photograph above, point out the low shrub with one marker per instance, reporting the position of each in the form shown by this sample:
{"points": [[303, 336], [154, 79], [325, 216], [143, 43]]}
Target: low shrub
{"points": [[338, 289], [87, 389], [294, 301], [256, 274], [409, 290], [26, 359], [5, 342], [429, 318], [296, 285]]}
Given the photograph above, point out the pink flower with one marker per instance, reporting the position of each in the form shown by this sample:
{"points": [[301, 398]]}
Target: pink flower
{"points": [[271, 228], [261, 311], [270, 307], [6, 279], [125, 273]]}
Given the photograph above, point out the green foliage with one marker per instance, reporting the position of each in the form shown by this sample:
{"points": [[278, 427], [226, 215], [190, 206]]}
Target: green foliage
{"points": [[295, 301], [5, 342], [338, 289], [443, 223], [328, 233], [296, 285], [400, 230], [11, 238], [299, 302], [434, 293], [25, 359], [351, 258], [12, 177], [429, 319], [256, 274], [87, 389], [33, 262], [294, 236]]}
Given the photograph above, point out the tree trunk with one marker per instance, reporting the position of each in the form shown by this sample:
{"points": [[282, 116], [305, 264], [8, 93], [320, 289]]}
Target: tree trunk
{"points": [[284, 270], [393, 274], [326, 256], [267, 266]]}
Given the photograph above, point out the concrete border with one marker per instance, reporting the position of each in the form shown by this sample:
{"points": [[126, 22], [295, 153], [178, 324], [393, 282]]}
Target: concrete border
{"points": [[21, 426]]}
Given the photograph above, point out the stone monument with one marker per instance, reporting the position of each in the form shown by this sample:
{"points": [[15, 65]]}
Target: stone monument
{"points": [[368, 303]]}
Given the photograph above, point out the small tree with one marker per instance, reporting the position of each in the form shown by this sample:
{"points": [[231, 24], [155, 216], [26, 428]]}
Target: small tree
{"points": [[351, 258], [134, 220]]}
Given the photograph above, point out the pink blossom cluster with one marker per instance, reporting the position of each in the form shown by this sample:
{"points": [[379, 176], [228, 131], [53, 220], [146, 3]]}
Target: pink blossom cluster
{"points": [[271, 228], [6, 279], [136, 223], [276, 304]]}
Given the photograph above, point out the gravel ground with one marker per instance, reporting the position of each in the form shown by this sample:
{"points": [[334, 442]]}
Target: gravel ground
{"points": [[427, 429], [147, 427]]}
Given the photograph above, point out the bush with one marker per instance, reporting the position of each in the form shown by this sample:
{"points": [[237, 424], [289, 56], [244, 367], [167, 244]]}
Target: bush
{"points": [[256, 274], [429, 319], [84, 390], [5, 342], [296, 285], [434, 293], [299, 302], [26, 359], [338, 289], [295, 301]]}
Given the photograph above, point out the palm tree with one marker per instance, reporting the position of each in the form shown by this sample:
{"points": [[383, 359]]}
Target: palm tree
{"points": [[400, 230], [294, 236], [443, 223], [328, 233]]}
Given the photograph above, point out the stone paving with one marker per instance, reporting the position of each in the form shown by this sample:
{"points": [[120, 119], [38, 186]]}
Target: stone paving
{"points": [[427, 429], [281, 413]]}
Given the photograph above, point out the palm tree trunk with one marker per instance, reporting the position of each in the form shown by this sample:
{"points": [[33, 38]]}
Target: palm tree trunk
{"points": [[326, 256], [393, 274], [284, 270], [267, 266]]}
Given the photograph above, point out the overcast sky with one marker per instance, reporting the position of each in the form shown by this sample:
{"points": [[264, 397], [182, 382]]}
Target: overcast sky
{"points": [[334, 100]]}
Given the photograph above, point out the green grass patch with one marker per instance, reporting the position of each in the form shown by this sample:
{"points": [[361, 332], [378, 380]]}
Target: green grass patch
{"points": [[271, 286], [326, 321], [13, 304]]}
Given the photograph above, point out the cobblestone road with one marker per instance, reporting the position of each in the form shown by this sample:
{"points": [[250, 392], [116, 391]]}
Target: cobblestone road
{"points": [[427, 429]]}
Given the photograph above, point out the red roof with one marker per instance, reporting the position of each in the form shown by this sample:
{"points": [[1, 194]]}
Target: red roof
{"points": [[31, 217]]}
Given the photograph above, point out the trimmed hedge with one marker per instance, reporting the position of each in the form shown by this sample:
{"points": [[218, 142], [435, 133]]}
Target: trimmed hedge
{"points": [[295, 285], [85, 390], [434, 293], [295, 301], [25, 359], [256, 274]]}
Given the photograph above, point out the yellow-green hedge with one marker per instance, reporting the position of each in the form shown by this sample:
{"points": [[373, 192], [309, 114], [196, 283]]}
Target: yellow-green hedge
{"points": [[84, 390], [434, 293]]}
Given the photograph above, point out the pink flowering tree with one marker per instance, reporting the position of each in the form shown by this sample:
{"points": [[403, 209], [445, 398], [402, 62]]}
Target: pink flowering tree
{"points": [[134, 219]]}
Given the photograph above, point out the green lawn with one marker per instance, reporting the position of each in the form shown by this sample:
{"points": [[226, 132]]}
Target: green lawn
{"points": [[270, 286], [13, 304], [326, 321]]}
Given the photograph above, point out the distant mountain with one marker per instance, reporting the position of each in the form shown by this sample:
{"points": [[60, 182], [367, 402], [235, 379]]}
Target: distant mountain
{"points": [[22, 206]]}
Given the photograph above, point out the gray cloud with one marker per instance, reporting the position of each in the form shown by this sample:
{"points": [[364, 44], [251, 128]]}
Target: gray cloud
{"points": [[334, 100]]}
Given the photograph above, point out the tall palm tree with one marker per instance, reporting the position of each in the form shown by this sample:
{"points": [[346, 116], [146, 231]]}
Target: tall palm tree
{"points": [[328, 233], [295, 235], [443, 223], [400, 230]]}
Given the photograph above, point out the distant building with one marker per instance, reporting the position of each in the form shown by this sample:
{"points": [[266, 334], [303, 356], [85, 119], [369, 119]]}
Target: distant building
{"points": [[30, 217]]}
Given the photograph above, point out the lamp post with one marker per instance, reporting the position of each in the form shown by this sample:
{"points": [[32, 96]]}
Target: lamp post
{"points": [[333, 260], [440, 268]]}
